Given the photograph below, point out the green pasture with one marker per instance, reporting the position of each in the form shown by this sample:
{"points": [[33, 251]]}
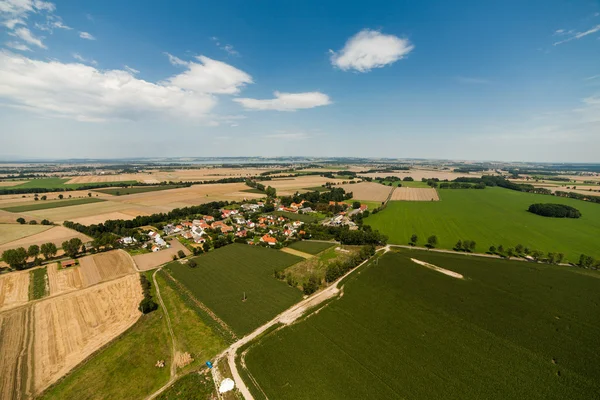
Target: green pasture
{"points": [[310, 247]]}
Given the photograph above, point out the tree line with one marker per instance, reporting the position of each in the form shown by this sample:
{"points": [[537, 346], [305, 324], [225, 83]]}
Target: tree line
{"points": [[17, 258]]}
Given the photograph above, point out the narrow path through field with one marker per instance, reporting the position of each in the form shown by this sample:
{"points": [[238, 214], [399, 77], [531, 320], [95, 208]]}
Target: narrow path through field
{"points": [[166, 312]]}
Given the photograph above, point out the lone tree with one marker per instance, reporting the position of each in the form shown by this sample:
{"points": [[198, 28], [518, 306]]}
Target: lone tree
{"points": [[432, 241], [356, 205], [48, 250], [493, 249], [413, 239], [21, 220], [181, 254], [60, 196]]}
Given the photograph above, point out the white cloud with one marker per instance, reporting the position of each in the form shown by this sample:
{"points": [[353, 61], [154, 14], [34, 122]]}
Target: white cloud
{"points": [[132, 70], [579, 35], [86, 35], [559, 31], [286, 101], [11, 23], [17, 46], [176, 60], [26, 35], [85, 93], [211, 76], [51, 24], [472, 80], [230, 50], [370, 49], [589, 78], [82, 59]]}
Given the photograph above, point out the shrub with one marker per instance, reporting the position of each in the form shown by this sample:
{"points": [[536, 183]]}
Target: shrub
{"points": [[192, 264], [181, 254]]}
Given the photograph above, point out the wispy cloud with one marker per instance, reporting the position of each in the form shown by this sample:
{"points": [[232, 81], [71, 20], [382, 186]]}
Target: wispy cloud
{"points": [[228, 48], [17, 46], [132, 70], [472, 80], [175, 60], [579, 35], [84, 60], [370, 49], [86, 35], [589, 78], [26, 35], [286, 101]]}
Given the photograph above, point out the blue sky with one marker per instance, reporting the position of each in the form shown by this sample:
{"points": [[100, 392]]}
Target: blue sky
{"points": [[475, 80]]}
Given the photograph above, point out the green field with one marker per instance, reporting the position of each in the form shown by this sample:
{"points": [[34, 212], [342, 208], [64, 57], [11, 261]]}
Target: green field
{"points": [[59, 183], [493, 216], [45, 204], [222, 276], [311, 247], [193, 386], [38, 283], [136, 189], [124, 369], [509, 330], [313, 217]]}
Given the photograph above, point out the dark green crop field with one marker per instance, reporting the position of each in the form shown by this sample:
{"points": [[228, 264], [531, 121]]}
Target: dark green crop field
{"points": [[509, 330], [59, 183], [136, 189], [222, 276], [45, 204], [493, 216], [311, 247]]}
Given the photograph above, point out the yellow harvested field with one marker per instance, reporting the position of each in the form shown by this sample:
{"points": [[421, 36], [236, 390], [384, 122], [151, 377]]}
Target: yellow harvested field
{"points": [[415, 194], [150, 261], [71, 327], [14, 290], [11, 183], [15, 339], [181, 175], [56, 235], [70, 213], [9, 218], [418, 174], [166, 200], [13, 232], [62, 280], [368, 191], [288, 186], [105, 266]]}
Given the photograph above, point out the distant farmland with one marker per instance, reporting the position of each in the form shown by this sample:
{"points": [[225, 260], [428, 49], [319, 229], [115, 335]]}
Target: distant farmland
{"points": [[224, 275], [509, 330], [58, 183], [493, 216], [136, 189], [310, 247], [44, 205]]}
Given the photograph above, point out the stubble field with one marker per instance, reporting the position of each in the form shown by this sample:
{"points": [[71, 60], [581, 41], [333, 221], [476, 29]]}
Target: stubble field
{"points": [[508, 330], [368, 191], [55, 234], [71, 327], [12, 232], [14, 289], [414, 194]]}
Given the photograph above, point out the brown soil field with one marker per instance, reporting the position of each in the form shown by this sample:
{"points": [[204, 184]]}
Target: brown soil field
{"points": [[297, 252], [150, 261], [14, 289], [418, 174], [105, 266], [62, 280], [182, 175], [56, 235], [71, 327], [13, 232], [15, 354], [368, 191], [415, 194]]}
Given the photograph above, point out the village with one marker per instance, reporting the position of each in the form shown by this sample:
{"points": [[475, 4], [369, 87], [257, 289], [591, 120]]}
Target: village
{"points": [[247, 223]]}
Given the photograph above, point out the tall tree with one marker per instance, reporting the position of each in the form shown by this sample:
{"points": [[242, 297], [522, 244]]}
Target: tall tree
{"points": [[432, 241], [413, 239], [16, 258], [33, 251], [49, 250]]}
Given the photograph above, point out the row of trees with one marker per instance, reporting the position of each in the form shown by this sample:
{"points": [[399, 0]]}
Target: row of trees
{"points": [[22, 221], [461, 185], [432, 241], [147, 304], [271, 192], [465, 245], [522, 251], [588, 262], [17, 258]]}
